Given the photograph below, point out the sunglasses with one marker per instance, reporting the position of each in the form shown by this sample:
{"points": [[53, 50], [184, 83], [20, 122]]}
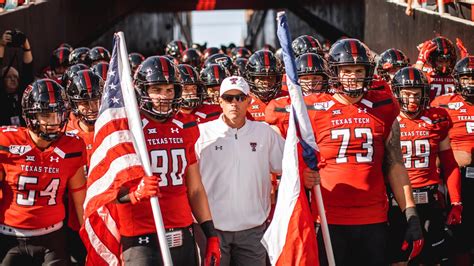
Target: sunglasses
{"points": [[230, 98]]}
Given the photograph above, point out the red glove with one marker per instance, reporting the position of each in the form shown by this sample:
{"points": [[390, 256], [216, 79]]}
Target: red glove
{"points": [[416, 250], [147, 188], [213, 252], [454, 216], [425, 51], [461, 48]]}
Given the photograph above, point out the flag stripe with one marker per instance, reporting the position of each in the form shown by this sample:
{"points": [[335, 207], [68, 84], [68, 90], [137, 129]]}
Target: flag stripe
{"points": [[112, 140], [103, 183], [107, 117], [99, 246]]}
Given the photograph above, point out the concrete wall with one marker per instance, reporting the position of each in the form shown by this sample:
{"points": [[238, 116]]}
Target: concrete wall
{"points": [[50, 23], [387, 26], [147, 33]]}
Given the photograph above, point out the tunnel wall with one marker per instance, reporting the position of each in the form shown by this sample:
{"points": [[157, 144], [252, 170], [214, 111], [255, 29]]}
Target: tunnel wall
{"points": [[386, 26]]}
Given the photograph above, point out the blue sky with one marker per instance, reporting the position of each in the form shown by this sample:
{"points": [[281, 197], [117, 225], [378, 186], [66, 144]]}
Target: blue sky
{"points": [[219, 27]]}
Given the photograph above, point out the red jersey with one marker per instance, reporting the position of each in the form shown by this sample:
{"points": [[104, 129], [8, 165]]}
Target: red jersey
{"points": [[171, 149], [205, 112], [420, 138], [379, 84], [35, 180], [88, 137], [351, 139], [440, 85], [462, 116], [277, 113], [257, 107]]}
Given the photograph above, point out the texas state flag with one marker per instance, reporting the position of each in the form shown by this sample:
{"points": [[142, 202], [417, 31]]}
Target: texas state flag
{"points": [[291, 239]]}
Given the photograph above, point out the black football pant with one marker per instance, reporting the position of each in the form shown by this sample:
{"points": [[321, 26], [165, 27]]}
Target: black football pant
{"points": [[49, 249], [356, 244], [144, 250]]}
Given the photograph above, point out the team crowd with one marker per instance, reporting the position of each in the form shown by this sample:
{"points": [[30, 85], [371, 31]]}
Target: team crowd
{"points": [[395, 153]]}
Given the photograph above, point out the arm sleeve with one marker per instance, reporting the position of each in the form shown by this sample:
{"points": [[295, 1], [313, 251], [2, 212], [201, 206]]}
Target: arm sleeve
{"points": [[451, 174]]}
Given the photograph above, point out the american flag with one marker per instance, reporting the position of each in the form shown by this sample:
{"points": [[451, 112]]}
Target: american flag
{"points": [[114, 162]]}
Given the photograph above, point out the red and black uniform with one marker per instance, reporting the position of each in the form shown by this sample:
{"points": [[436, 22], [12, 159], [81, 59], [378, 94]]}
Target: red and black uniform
{"points": [[351, 139], [204, 113], [420, 142], [462, 140], [171, 149], [257, 107], [33, 188], [462, 116], [440, 85]]}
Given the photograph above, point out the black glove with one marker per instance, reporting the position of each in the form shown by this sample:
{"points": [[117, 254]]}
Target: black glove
{"points": [[413, 234]]}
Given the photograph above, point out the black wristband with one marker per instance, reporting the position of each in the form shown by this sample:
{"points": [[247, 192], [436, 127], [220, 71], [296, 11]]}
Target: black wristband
{"points": [[208, 228], [26, 50]]}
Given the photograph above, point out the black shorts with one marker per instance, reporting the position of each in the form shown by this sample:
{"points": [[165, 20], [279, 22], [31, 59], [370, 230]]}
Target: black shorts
{"points": [[463, 234], [49, 249], [435, 248], [356, 244], [144, 250]]}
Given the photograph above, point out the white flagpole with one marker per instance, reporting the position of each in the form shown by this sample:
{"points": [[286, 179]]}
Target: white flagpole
{"points": [[135, 125], [324, 225]]}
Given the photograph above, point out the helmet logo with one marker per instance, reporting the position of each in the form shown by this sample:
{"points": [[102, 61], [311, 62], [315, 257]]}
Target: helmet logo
{"points": [[233, 80]]}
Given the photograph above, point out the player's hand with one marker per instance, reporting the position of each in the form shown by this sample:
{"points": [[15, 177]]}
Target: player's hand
{"points": [[413, 234], [409, 10], [425, 51], [311, 178], [461, 48], [454, 216], [147, 188], [213, 252]]}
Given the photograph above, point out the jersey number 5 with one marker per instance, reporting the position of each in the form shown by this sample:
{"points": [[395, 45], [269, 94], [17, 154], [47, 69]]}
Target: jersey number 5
{"points": [[470, 127], [29, 200], [169, 164]]}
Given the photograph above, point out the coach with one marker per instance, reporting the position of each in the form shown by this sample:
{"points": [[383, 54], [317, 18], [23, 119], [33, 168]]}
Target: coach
{"points": [[236, 157]]}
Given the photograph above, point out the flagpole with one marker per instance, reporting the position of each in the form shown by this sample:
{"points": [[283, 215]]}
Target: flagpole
{"points": [[324, 225], [135, 125], [290, 65]]}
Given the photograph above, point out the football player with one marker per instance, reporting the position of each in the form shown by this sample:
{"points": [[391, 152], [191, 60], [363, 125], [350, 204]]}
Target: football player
{"points": [[175, 49], [424, 137], [390, 61], [170, 143], [193, 96], [98, 54], [440, 56], [313, 78], [59, 62], [460, 107], [356, 128], [263, 74], [37, 164], [212, 77]]}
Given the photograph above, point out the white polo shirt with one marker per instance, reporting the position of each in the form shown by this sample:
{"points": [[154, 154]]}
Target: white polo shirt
{"points": [[235, 167]]}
